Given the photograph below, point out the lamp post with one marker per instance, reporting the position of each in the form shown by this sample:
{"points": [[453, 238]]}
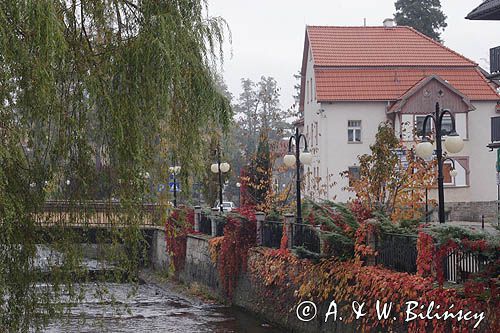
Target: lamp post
{"points": [[238, 185], [220, 168], [290, 159], [174, 171], [453, 144]]}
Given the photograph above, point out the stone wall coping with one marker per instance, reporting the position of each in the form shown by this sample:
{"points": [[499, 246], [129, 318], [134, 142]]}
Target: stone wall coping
{"points": [[200, 236]]}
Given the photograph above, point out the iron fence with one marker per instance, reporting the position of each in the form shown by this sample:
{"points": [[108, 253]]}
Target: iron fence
{"points": [[398, 252], [96, 213], [271, 233], [220, 223], [205, 224], [461, 265], [307, 236]]}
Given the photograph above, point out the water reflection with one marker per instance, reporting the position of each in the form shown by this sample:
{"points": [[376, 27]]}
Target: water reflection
{"points": [[153, 309]]}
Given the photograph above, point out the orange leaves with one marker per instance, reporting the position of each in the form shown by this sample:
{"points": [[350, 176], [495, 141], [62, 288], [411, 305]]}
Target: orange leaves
{"points": [[279, 273], [214, 246]]}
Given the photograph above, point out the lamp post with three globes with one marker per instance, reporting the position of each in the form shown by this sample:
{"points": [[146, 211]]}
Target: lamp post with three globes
{"points": [[453, 144]]}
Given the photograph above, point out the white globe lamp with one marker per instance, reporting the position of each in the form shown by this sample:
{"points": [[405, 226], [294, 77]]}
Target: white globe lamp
{"points": [[453, 173], [214, 168], [289, 160], [424, 150], [224, 167], [454, 143], [306, 157]]}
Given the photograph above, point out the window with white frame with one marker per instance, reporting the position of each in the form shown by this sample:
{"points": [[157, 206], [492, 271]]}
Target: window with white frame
{"points": [[419, 126], [463, 172], [354, 131], [446, 125]]}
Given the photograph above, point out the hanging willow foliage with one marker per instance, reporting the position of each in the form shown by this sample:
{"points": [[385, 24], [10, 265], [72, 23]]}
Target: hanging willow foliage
{"points": [[106, 83]]}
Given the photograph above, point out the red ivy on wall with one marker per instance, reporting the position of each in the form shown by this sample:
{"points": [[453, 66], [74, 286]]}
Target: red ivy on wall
{"points": [[425, 254], [239, 236], [179, 224], [278, 274]]}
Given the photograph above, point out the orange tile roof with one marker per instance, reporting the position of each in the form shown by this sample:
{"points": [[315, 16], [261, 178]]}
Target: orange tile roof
{"points": [[379, 46], [386, 84], [379, 63]]}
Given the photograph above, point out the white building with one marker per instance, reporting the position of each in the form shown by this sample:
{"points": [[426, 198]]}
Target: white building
{"points": [[354, 78]]}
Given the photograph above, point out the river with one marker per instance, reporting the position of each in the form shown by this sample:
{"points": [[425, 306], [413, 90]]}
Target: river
{"points": [[154, 308]]}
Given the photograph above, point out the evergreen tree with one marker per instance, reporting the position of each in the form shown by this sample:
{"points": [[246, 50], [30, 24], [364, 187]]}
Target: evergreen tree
{"points": [[259, 176], [425, 16]]}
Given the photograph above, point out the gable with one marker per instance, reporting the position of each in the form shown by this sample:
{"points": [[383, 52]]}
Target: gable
{"points": [[422, 97]]}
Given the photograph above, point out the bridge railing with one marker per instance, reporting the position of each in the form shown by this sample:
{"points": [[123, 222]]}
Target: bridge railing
{"points": [[97, 213]]}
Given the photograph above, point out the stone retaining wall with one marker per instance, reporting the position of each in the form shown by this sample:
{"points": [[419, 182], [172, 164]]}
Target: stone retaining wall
{"points": [[199, 267], [472, 211], [248, 294]]}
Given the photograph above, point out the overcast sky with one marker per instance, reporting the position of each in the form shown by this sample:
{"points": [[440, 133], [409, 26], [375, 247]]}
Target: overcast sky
{"points": [[268, 35]]}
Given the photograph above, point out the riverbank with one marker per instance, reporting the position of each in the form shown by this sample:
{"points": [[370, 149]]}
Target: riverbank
{"points": [[198, 293]]}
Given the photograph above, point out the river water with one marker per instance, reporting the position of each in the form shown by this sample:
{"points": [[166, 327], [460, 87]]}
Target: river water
{"points": [[153, 308]]}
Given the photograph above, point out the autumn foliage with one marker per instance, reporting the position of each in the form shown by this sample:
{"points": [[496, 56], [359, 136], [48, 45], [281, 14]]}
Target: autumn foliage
{"points": [[239, 236], [179, 224], [392, 178], [345, 281]]}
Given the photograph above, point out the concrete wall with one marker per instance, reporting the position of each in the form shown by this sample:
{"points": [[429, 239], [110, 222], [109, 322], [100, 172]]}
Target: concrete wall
{"points": [[199, 266], [158, 251], [249, 292]]}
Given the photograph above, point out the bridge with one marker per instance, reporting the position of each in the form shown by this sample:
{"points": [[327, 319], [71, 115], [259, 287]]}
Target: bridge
{"points": [[93, 224]]}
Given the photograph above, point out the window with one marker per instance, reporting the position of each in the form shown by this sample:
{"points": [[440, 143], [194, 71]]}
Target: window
{"points": [[354, 130], [446, 125], [307, 92], [419, 126], [316, 133], [447, 179], [354, 174], [311, 85]]}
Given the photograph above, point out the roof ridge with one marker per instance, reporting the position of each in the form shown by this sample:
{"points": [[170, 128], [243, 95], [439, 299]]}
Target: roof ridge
{"points": [[486, 80], [439, 44], [395, 67]]}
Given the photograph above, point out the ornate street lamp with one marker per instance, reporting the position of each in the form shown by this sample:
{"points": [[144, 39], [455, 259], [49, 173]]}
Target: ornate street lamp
{"points": [[453, 144], [290, 159], [174, 171], [220, 168], [238, 185]]}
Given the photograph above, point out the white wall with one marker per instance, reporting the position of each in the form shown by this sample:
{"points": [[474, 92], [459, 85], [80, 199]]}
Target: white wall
{"points": [[334, 153], [482, 184]]}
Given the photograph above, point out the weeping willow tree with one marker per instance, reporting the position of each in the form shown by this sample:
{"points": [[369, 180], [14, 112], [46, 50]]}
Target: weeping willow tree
{"points": [[112, 83]]}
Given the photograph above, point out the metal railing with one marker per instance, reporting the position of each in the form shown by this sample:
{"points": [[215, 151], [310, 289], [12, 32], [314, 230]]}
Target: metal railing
{"points": [[460, 266], [397, 251], [205, 224], [307, 236], [220, 223], [271, 234], [96, 213]]}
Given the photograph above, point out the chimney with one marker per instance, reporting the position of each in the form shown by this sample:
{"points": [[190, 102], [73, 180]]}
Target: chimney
{"points": [[389, 23]]}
